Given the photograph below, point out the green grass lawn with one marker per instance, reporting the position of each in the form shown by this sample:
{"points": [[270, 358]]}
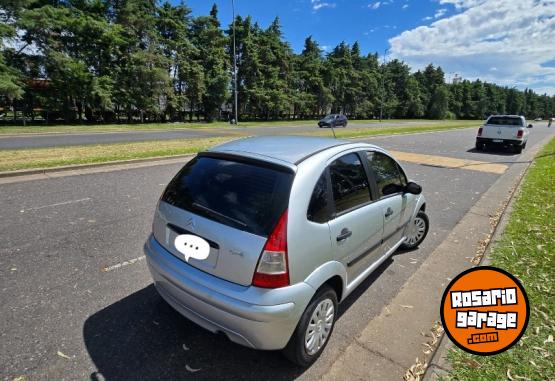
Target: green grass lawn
{"points": [[527, 250], [85, 128]]}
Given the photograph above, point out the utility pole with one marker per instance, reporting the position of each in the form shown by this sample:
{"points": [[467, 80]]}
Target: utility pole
{"points": [[234, 66], [383, 79]]}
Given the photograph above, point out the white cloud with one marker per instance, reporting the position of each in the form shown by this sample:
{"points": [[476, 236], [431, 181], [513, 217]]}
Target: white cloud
{"points": [[405, 6], [515, 37], [377, 4], [463, 4], [440, 13], [318, 4]]}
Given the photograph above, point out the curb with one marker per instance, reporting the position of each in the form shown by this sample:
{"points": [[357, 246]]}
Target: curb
{"points": [[387, 347]]}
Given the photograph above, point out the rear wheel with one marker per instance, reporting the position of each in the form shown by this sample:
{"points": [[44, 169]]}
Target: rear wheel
{"points": [[314, 329], [480, 146], [518, 149], [416, 231]]}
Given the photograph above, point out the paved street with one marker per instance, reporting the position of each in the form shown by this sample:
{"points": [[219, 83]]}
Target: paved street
{"points": [[73, 282], [51, 140]]}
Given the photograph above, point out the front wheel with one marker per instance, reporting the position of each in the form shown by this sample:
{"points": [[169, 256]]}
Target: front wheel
{"points": [[314, 329], [416, 231]]}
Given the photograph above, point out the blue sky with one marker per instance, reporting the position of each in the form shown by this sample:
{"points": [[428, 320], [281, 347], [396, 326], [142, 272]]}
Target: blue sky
{"points": [[509, 42]]}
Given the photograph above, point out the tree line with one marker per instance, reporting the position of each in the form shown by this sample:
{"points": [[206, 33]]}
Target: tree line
{"points": [[145, 61]]}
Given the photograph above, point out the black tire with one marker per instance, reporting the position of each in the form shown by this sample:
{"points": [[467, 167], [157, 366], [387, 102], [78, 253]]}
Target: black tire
{"points": [[295, 350], [518, 149], [424, 217], [479, 146]]}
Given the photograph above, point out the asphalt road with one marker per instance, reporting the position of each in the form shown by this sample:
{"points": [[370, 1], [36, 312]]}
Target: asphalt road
{"points": [[58, 235], [55, 139]]}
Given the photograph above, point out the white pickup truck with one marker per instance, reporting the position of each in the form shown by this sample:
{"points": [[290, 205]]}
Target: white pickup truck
{"points": [[503, 130]]}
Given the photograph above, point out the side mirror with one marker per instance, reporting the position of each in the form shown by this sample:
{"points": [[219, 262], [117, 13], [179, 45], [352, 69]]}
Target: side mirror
{"points": [[391, 189], [413, 188], [530, 126]]}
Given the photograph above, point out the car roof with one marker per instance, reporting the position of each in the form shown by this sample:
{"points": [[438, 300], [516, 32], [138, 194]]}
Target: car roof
{"points": [[290, 149]]}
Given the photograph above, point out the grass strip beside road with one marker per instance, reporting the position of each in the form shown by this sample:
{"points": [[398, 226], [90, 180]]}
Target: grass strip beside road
{"points": [[527, 250], [364, 132], [92, 128], [11, 160], [85, 128]]}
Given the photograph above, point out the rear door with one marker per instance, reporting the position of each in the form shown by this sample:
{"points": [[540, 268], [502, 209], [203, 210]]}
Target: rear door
{"points": [[357, 223], [396, 206], [231, 202]]}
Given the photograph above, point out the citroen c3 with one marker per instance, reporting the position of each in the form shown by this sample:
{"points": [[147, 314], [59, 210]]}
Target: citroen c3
{"points": [[291, 226]]}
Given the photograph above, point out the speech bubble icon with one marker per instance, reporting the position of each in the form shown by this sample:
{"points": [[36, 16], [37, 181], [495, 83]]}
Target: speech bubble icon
{"points": [[192, 246]]}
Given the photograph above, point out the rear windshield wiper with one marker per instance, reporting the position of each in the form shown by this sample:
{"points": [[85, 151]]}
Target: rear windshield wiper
{"points": [[218, 214]]}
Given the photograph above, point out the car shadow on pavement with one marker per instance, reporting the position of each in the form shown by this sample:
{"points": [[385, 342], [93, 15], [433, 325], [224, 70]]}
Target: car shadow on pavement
{"points": [[494, 151], [142, 338]]}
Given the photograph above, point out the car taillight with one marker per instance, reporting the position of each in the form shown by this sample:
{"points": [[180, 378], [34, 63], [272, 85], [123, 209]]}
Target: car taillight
{"points": [[519, 134], [480, 131], [272, 270]]}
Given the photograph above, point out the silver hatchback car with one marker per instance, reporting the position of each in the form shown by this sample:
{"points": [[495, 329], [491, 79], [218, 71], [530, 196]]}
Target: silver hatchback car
{"points": [[261, 238]]}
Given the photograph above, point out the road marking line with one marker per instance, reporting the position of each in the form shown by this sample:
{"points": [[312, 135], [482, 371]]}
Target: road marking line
{"points": [[450, 162], [57, 204], [123, 264]]}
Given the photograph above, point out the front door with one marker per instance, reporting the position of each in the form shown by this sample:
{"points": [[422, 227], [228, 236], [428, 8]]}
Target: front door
{"points": [[390, 181], [357, 225]]}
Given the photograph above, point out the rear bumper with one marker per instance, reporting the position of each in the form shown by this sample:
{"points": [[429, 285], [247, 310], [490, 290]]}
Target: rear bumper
{"points": [[242, 313], [513, 142]]}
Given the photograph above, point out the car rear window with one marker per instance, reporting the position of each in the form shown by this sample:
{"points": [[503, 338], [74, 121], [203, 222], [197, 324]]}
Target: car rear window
{"points": [[246, 196], [505, 121]]}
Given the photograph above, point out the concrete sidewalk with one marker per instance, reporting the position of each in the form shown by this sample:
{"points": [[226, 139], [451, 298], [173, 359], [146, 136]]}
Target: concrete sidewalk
{"points": [[401, 341]]}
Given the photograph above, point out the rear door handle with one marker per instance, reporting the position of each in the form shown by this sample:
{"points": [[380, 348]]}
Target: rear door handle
{"points": [[388, 212], [345, 233]]}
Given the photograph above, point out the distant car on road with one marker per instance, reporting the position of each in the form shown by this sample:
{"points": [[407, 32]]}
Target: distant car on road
{"points": [[333, 120], [538, 119], [290, 227], [503, 130]]}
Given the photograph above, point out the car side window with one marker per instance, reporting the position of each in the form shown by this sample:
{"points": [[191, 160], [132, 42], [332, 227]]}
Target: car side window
{"points": [[318, 210], [390, 179], [350, 186]]}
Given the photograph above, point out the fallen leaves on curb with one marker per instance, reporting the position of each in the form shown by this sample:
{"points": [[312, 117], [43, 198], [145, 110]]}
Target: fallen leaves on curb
{"points": [[63, 355], [493, 222], [418, 369]]}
